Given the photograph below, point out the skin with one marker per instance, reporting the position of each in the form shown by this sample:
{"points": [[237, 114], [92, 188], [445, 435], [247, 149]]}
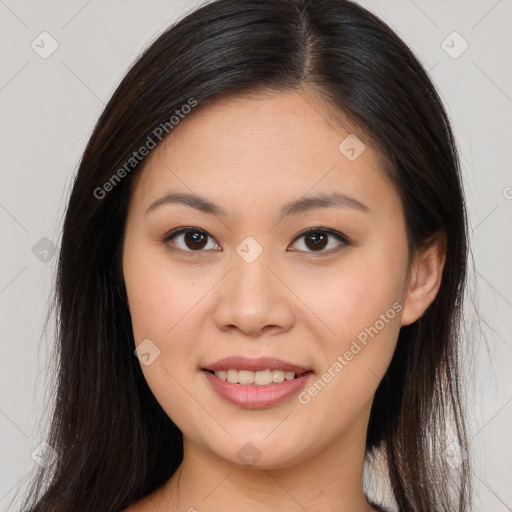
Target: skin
{"points": [[251, 155]]}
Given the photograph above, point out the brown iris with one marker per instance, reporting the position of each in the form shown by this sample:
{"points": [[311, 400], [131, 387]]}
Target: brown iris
{"points": [[319, 240], [195, 239]]}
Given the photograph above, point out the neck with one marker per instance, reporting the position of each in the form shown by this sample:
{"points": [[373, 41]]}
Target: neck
{"points": [[327, 481]]}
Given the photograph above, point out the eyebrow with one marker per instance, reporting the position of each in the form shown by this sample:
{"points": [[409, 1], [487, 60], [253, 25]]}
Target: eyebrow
{"points": [[305, 204]]}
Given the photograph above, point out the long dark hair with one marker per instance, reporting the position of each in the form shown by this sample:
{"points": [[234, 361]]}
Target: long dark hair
{"points": [[114, 443]]}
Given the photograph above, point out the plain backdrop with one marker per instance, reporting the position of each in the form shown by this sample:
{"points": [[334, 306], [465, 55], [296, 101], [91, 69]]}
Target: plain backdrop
{"points": [[49, 104]]}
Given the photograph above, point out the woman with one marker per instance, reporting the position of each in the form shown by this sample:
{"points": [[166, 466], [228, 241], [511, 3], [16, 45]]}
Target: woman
{"points": [[261, 276]]}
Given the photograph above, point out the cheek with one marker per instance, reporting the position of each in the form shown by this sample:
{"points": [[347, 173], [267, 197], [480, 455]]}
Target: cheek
{"points": [[362, 307], [160, 296], [360, 303], [355, 294], [166, 308]]}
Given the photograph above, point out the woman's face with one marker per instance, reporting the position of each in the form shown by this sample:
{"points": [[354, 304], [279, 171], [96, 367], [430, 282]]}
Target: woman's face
{"points": [[244, 281]]}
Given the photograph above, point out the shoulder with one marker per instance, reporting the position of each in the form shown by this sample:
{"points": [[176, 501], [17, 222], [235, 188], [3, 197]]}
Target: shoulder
{"points": [[149, 503]]}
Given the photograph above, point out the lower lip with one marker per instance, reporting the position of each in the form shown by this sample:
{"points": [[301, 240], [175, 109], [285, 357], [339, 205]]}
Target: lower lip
{"points": [[252, 396]]}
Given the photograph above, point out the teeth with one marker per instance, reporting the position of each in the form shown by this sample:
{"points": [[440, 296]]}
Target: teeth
{"points": [[289, 375], [277, 376], [245, 377], [259, 378], [232, 376], [222, 374]]}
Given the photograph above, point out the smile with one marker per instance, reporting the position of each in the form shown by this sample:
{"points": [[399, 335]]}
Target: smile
{"points": [[258, 378], [256, 389]]}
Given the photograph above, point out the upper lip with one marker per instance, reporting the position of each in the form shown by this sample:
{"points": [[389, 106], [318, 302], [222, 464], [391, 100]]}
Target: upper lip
{"points": [[254, 364]]}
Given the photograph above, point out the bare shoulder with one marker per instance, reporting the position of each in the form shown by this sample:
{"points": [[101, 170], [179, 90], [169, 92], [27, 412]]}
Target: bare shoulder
{"points": [[155, 502], [139, 506], [146, 504]]}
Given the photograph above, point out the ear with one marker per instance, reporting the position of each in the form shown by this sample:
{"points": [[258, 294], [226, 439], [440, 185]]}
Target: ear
{"points": [[424, 279]]}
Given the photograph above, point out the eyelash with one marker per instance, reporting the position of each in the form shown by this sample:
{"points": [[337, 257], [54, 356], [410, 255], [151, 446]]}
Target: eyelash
{"points": [[340, 237]]}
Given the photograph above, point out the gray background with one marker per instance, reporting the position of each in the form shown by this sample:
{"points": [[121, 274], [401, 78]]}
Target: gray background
{"points": [[49, 106]]}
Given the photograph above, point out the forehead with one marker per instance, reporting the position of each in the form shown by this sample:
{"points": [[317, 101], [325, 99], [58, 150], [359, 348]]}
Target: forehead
{"points": [[265, 147]]}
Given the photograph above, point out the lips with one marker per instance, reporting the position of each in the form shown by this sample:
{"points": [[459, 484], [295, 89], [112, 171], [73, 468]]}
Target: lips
{"points": [[256, 395]]}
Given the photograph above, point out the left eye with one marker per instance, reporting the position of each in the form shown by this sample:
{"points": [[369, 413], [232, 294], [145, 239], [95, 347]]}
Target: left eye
{"points": [[318, 239]]}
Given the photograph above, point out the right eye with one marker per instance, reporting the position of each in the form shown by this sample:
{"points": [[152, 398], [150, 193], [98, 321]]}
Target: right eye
{"points": [[191, 239]]}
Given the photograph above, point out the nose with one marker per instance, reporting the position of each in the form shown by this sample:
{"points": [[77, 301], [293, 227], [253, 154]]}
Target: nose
{"points": [[254, 300]]}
